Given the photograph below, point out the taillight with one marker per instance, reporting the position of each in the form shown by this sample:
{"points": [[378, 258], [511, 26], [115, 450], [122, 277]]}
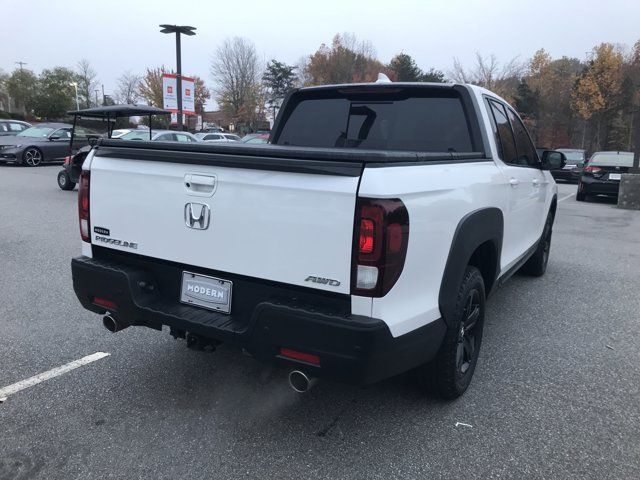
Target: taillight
{"points": [[380, 245], [83, 205], [592, 169], [103, 302], [67, 160], [302, 356]]}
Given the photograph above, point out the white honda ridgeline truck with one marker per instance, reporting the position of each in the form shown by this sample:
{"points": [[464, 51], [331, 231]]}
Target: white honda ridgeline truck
{"points": [[361, 243]]}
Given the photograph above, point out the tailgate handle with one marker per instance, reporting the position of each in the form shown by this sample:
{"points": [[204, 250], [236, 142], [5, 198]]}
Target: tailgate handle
{"points": [[200, 185]]}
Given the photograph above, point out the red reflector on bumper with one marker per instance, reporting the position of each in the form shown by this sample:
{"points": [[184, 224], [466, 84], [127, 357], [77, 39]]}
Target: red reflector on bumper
{"points": [[296, 355], [103, 302]]}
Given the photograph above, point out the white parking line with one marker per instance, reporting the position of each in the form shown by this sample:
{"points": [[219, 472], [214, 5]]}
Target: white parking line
{"points": [[54, 372], [564, 198]]}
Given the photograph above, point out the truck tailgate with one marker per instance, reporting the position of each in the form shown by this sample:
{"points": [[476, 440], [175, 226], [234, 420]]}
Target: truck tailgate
{"points": [[275, 225]]}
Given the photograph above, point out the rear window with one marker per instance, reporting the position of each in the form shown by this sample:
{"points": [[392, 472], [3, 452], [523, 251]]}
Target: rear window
{"points": [[573, 157], [614, 159], [435, 123]]}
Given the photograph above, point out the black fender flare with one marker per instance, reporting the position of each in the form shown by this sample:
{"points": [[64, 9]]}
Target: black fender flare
{"points": [[474, 229], [553, 206]]}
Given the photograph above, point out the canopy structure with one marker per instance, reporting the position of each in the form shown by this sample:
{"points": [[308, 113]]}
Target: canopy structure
{"points": [[114, 111], [111, 112]]}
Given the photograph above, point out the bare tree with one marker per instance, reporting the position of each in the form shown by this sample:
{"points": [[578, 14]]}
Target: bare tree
{"points": [[86, 81], [302, 76], [128, 89], [488, 73], [235, 69]]}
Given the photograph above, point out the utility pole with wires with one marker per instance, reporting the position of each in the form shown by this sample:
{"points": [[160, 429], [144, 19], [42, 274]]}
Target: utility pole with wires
{"points": [[22, 64]]}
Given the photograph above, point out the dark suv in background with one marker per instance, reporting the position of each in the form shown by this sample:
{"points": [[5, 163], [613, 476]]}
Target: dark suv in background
{"points": [[573, 168]]}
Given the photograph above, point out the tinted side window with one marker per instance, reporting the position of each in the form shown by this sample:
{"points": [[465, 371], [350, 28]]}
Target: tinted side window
{"points": [[526, 151], [166, 137], [507, 147], [4, 127], [16, 127]]}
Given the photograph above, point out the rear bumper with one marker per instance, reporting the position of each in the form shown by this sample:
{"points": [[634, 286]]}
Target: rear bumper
{"points": [[594, 186], [264, 318]]}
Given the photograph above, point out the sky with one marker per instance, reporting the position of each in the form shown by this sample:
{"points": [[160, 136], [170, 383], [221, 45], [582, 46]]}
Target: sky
{"points": [[116, 36]]}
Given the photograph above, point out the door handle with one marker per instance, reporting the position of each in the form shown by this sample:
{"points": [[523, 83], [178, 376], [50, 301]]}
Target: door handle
{"points": [[536, 182], [200, 185], [514, 182]]}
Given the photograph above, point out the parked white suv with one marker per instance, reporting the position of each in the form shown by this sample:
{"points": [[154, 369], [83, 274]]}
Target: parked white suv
{"points": [[361, 243]]}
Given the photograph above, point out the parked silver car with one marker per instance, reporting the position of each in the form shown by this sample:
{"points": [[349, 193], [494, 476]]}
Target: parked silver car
{"points": [[12, 127], [159, 136], [217, 137]]}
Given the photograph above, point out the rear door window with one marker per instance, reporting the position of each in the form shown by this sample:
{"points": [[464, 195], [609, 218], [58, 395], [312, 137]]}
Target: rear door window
{"points": [[380, 122], [504, 135], [17, 127]]}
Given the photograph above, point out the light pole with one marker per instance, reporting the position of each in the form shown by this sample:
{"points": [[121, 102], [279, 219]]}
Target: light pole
{"points": [[75, 85], [178, 29]]}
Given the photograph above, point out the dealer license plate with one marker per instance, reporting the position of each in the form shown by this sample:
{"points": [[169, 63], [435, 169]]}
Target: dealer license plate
{"points": [[615, 176], [206, 292]]}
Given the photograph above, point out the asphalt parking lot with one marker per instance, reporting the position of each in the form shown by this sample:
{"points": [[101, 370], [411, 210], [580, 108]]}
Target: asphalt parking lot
{"points": [[556, 393]]}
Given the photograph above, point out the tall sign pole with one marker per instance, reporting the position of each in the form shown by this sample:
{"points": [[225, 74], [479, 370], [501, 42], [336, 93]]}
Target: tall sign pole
{"points": [[179, 79], [178, 30]]}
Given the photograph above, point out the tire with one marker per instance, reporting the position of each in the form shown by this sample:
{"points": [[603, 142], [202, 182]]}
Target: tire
{"points": [[32, 157], [64, 182], [580, 195], [449, 374], [536, 266]]}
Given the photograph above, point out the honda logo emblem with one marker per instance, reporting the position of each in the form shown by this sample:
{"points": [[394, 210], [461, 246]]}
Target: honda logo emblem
{"points": [[197, 216]]}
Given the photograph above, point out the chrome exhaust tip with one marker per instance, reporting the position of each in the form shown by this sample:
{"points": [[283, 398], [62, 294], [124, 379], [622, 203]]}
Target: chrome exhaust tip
{"points": [[300, 381], [113, 325]]}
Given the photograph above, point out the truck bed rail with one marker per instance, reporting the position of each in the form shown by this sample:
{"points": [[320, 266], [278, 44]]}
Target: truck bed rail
{"points": [[327, 161]]}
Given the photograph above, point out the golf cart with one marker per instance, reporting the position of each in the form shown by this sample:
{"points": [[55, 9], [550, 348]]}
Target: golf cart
{"points": [[70, 173]]}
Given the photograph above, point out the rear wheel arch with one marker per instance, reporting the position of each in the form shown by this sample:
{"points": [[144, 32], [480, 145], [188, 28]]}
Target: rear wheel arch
{"points": [[477, 241]]}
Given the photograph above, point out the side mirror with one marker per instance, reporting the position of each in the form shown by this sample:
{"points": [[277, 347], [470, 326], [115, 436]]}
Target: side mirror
{"points": [[553, 160], [54, 138]]}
